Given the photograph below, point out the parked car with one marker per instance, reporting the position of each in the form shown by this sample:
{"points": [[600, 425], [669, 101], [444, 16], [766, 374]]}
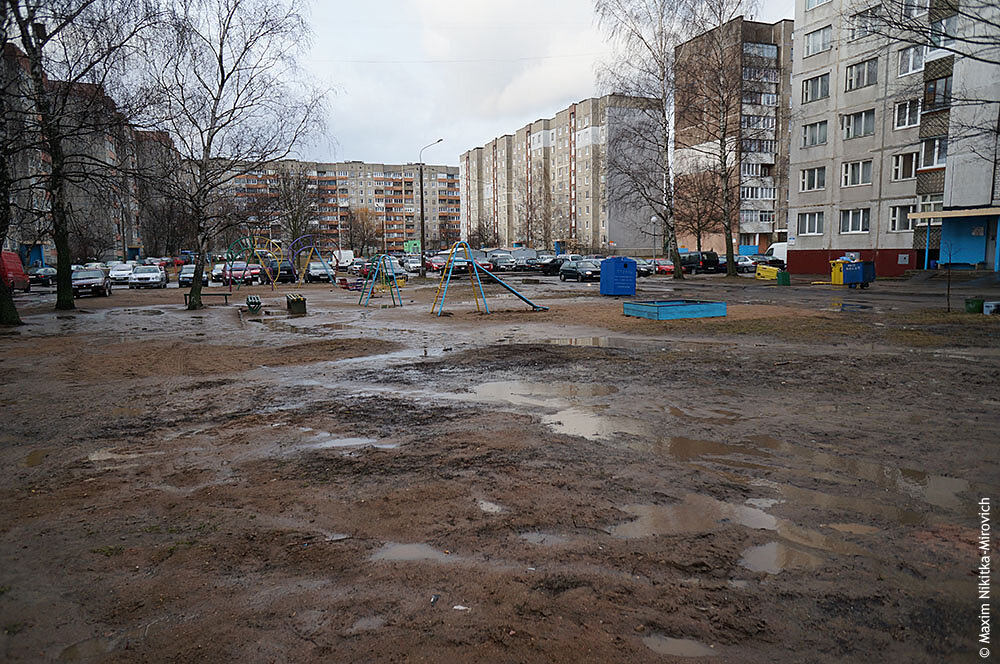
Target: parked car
{"points": [[341, 259], [95, 266], [695, 262], [186, 277], [580, 270], [42, 276], [411, 263], [217, 271], [283, 274], [92, 282], [148, 276], [503, 262], [663, 265], [744, 264], [764, 259], [397, 270], [316, 271], [436, 263], [240, 272], [120, 273], [356, 265], [643, 268], [778, 250], [527, 264], [13, 273], [552, 267]]}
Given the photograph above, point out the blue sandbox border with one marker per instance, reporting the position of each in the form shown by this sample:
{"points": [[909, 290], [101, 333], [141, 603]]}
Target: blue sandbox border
{"points": [[674, 309]]}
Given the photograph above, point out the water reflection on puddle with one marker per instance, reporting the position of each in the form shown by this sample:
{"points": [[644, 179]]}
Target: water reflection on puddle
{"points": [[544, 539], [410, 553], [327, 441], [605, 342], [776, 557], [665, 645], [587, 423], [540, 394]]}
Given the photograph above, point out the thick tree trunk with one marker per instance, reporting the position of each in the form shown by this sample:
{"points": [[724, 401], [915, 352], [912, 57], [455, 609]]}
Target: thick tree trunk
{"points": [[8, 310], [194, 295]]}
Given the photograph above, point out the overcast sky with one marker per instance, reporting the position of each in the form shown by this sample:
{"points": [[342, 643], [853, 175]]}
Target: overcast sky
{"points": [[407, 72]]}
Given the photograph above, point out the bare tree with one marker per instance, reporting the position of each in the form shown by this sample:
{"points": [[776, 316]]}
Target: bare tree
{"points": [[295, 207], [645, 33], [75, 50], [225, 91], [715, 77], [483, 235], [698, 211], [364, 230]]}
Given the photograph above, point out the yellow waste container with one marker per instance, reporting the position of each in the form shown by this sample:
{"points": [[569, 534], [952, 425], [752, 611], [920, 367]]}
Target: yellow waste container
{"points": [[837, 272], [766, 272]]}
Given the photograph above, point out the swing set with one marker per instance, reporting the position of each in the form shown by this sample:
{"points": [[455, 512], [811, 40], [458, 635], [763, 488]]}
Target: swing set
{"points": [[381, 278], [476, 274]]}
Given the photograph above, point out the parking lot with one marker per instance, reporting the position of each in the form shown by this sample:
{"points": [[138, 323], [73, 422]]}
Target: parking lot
{"points": [[554, 486]]}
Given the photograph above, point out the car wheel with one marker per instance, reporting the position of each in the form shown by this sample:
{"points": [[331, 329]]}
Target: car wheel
{"points": [[562, 277], [579, 278], [27, 288], [108, 293]]}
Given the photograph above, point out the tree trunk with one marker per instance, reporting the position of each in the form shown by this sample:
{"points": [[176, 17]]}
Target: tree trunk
{"points": [[8, 310], [194, 295]]}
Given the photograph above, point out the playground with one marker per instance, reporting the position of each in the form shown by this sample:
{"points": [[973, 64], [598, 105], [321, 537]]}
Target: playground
{"points": [[549, 482]]}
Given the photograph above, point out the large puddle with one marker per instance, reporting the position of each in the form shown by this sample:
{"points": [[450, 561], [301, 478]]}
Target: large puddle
{"points": [[411, 553], [665, 645], [776, 557]]}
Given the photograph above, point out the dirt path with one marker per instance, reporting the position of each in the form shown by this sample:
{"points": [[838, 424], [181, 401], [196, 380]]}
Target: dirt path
{"points": [[792, 483]]}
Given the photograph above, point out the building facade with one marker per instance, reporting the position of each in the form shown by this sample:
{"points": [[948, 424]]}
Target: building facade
{"points": [[387, 194], [870, 158], [546, 183], [731, 124]]}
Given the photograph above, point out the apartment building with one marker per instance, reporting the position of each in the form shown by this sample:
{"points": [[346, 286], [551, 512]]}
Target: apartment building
{"points": [[546, 183], [735, 129], [388, 193], [872, 170]]}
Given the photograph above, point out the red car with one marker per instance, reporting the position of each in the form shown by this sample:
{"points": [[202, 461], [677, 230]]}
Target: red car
{"points": [[435, 263], [663, 265], [239, 271]]}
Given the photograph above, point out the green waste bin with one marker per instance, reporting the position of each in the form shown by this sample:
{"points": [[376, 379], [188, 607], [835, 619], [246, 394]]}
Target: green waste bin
{"points": [[784, 279], [973, 305]]}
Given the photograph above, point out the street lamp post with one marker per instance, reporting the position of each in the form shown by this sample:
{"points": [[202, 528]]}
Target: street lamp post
{"points": [[420, 161]]}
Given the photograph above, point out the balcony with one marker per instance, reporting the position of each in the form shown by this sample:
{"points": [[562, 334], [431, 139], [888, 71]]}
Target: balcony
{"points": [[756, 226]]}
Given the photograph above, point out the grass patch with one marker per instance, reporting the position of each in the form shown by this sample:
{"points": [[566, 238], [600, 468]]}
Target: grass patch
{"points": [[108, 551]]}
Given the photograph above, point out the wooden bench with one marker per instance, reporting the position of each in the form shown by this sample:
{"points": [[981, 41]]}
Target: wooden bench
{"points": [[187, 297]]}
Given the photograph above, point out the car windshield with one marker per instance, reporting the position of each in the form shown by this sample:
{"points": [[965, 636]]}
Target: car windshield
{"points": [[316, 266], [238, 266], [589, 264], [147, 270], [188, 268], [88, 274]]}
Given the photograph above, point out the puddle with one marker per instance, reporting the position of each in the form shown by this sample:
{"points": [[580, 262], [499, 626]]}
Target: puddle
{"points": [[107, 455], [589, 424], [488, 507], [540, 394], [410, 553], [763, 503], [705, 414], [86, 650], [697, 514], [36, 457], [324, 442], [128, 412], [687, 449], [775, 557], [545, 539], [836, 305], [367, 624], [853, 528], [665, 645], [606, 342]]}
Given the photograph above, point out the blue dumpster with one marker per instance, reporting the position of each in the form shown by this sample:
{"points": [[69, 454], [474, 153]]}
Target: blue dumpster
{"points": [[618, 276], [859, 273]]}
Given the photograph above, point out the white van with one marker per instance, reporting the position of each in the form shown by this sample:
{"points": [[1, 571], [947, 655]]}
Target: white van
{"points": [[341, 258], [778, 250]]}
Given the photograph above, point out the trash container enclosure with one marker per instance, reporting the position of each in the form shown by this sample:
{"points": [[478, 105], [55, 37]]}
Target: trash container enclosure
{"points": [[618, 276]]}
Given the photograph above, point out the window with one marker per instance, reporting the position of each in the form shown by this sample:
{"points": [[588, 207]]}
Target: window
{"points": [[810, 223], [913, 8], [815, 88], [758, 145], [904, 166], [863, 23], [931, 203], [857, 173], [861, 75], [757, 121], [760, 50], [814, 134], [855, 221], [911, 60], [858, 124], [749, 217], [943, 32], [768, 74], [818, 41], [935, 152], [898, 219], [768, 99], [757, 193], [907, 114], [812, 179], [937, 93]]}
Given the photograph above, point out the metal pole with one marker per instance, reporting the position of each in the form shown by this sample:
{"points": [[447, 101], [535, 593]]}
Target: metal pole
{"points": [[423, 245]]}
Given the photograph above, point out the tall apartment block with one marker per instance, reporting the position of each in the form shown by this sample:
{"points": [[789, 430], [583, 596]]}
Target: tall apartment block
{"points": [[391, 192], [756, 75], [546, 183], [883, 162]]}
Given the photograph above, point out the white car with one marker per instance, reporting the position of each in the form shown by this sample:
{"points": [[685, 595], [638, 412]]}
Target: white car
{"points": [[217, 271], [148, 276], [120, 273], [317, 272]]}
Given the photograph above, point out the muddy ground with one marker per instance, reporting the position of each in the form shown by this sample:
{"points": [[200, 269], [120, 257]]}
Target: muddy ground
{"points": [[796, 482]]}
